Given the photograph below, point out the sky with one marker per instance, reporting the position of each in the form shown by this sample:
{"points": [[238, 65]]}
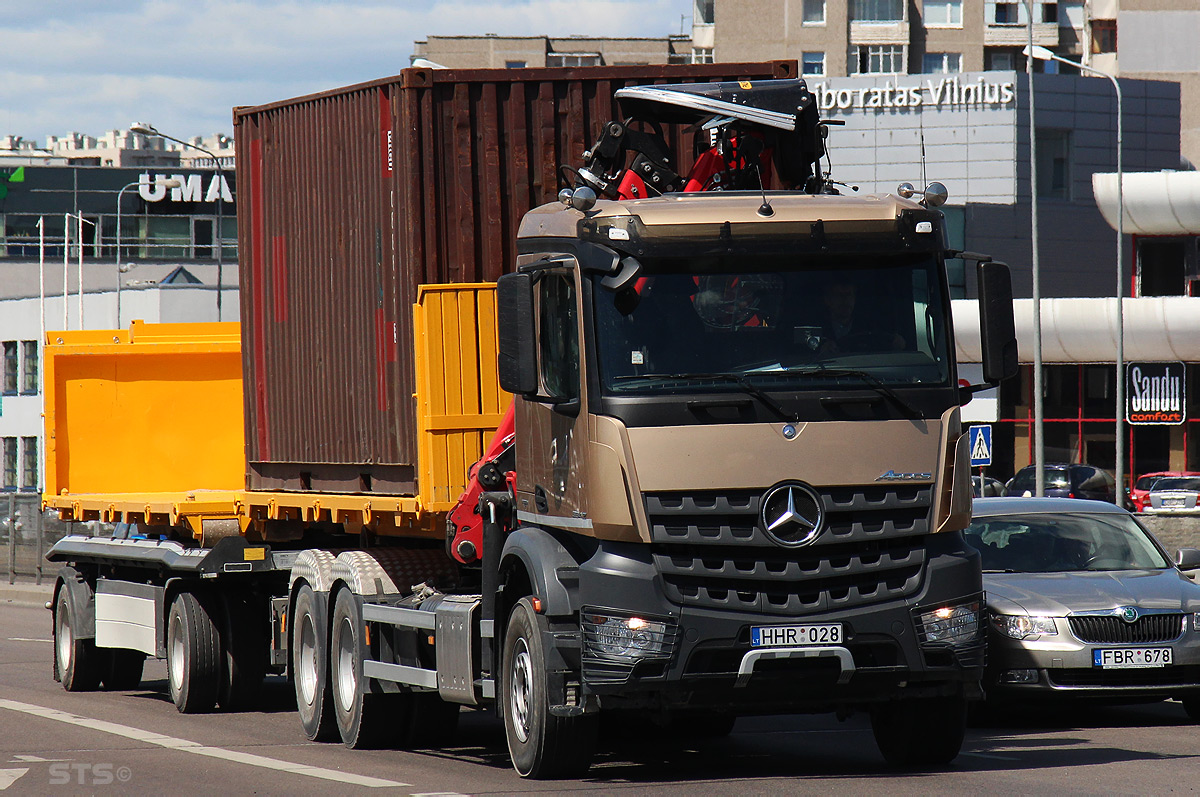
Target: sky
{"points": [[91, 66]]}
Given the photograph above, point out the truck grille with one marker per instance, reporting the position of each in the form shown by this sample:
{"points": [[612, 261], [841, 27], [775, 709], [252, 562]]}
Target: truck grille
{"points": [[1111, 630], [711, 553]]}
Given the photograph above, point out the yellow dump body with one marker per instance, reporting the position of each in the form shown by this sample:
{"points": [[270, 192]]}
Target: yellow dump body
{"points": [[146, 426]]}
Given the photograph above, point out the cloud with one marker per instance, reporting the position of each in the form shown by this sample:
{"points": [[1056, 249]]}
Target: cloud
{"points": [[184, 65]]}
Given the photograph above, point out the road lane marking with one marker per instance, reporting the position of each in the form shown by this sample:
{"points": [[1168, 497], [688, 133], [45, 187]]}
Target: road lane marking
{"points": [[990, 755], [185, 746], [27, 639], [10, 776]]}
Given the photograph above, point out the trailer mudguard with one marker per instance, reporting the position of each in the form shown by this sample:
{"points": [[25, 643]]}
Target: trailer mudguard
{"points": [[82, 596], [553, 572]]}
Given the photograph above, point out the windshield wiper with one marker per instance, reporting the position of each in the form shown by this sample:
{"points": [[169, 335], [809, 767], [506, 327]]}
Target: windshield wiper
{"points": [[738, 379], [871, 380]]}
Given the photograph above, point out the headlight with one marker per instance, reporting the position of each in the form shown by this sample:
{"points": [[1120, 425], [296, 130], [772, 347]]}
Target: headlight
{"points": [[1022, 626], [952, 624], [624, 636]]}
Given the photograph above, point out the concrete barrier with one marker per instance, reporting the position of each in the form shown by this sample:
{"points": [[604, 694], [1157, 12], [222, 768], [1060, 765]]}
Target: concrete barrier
{"points": [[1173, 532]]}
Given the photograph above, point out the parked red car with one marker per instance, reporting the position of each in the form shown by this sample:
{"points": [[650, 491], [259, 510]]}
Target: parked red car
{"points": [[1141, 487]]}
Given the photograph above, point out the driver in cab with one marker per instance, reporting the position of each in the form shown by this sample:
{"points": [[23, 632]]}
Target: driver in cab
{"points": [[846, 328]]}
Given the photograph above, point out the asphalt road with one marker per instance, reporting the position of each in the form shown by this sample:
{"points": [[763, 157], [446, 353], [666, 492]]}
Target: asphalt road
{"points": [[52, 742]]}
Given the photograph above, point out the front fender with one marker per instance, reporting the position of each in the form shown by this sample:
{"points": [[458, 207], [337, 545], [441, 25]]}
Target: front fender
{"points": [[553, 571]]}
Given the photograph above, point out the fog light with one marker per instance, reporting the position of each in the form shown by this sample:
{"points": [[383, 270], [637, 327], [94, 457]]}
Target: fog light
{"points": [[952, 624], [1019, 677], [624, 636], [1196, 622]]}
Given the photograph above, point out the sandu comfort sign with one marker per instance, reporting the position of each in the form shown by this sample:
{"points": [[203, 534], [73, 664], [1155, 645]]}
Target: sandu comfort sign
{"points": [[1156, 393]]}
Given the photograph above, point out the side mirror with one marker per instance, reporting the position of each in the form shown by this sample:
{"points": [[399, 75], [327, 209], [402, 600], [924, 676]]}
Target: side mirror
{"points": [[517, 358], [998, 336], [1187, 558]]}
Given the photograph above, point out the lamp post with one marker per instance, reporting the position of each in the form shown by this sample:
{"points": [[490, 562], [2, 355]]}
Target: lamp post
{"points": [[1039, 420], [1044, 54], [162, 182], [149, 130]]}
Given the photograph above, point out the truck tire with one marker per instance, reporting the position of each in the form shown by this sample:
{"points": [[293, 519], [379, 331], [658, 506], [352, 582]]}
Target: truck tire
{"points": [[920, 733], [362, 718], [77, 662], [193, 655], [123, 669], [243, 665], [541, 745], [310, 668]]}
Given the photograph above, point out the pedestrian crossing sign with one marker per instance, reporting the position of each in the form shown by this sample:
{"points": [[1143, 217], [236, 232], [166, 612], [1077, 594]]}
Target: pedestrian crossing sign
{"points": [[980, 439]]}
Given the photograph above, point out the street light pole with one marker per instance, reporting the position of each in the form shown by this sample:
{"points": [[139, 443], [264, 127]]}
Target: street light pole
{"points": [[1045, 54], [162, 182], [149, 130], [1039, 441]]}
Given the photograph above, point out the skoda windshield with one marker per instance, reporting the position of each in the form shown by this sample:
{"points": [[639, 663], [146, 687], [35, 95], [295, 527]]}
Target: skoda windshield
{"points": [[775, 324]]}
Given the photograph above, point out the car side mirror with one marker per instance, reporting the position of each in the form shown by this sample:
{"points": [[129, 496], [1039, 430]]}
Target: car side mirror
{"points": [[998, 336], [1187, 558], [516, 361]]}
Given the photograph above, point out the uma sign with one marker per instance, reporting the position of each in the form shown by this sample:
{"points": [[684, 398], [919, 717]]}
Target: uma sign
{"points": [[191, 188]]}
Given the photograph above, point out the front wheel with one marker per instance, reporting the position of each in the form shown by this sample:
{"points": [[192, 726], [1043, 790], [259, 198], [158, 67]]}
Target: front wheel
{"points": [[541, 744], [193, 654], [920, 733], [77, 662]]}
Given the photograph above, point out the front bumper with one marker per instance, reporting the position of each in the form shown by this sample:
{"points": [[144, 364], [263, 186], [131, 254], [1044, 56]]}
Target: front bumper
{"points": [[708, 660], [1063, 666]]}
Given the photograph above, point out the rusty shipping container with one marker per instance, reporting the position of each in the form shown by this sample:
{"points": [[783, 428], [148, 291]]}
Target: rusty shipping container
{"points": [[350, 199]]}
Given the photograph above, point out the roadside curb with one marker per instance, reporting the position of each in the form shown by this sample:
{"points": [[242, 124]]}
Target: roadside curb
{"points": [[26, 594]]}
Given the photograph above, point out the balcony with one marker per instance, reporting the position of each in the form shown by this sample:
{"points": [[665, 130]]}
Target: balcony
{"points": [[891, 32], [1017, 35]]}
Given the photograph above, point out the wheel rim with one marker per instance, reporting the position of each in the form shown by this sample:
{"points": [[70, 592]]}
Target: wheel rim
{"points": [[63, 638], [521, 692], [306, 661], [345, 679], [175, 653]]}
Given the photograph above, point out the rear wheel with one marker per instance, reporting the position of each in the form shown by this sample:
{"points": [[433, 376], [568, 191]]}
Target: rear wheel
{"points": [[920, 733], [362, 718], [123, 669], [310, 668], [541, 744], [193, 654], [77, 662]]}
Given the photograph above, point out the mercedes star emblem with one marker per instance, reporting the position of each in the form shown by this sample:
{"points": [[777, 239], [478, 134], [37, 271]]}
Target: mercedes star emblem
{"points": [[792, 514]]}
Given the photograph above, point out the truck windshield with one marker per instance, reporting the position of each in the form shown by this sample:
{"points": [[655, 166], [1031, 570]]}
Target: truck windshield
{"points": [[780, 326]]}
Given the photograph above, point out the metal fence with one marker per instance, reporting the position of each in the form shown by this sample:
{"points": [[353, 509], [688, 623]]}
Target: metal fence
{"points": [[26, 533]]}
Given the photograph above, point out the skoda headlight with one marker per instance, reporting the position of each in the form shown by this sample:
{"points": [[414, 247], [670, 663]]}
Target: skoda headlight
{"points": [[952, 624], [625, 636], [1022, 626]]}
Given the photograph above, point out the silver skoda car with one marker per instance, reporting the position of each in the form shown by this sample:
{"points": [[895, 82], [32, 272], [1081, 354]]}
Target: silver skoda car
{"points": [[1082, 602]]}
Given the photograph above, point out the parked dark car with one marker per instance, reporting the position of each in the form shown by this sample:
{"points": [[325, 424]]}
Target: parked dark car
{"points": [[986, 487], [1066, 480], [1083, 602]]}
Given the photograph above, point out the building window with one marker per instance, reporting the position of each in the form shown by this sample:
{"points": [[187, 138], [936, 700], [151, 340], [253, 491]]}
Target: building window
{"points": [[704, 12], [814, 12], [11, 367], [878, 59], [29, 367], [702, 55], [514, 64], [1006, 14], [29, 463], [814, 64], [1000, 61], [877, 10], [1054, 164], [10, 464], [573, 59], [1050, 13], [1104, 36], [941, 63], [943, 13]]}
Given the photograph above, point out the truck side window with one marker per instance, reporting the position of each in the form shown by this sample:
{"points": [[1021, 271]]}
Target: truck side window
{"points": [[558, 341]]}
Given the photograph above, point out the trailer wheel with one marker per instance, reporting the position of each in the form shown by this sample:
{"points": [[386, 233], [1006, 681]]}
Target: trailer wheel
{"points": [[541, 744], [310, 668], [76, 661], [193, 655], [362, 718], [123, 669], [920, 733]]}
